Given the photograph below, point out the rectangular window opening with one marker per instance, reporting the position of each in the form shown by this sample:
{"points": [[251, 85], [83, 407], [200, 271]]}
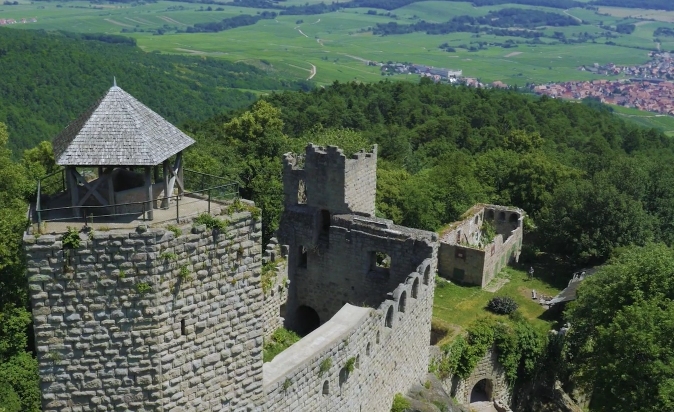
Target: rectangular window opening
{"points": [[303, 258]]}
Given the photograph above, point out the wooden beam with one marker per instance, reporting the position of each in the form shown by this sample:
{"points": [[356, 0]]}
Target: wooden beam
{"points": [[111, 192], [74, 190], [180, 179], [91, 190], [148, 192]]}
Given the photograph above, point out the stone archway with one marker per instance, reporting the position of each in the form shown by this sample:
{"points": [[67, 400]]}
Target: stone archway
{"points": [[482, 391], [306, 320]]}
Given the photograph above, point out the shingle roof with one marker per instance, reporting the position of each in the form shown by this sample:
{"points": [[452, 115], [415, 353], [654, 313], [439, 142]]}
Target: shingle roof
{"points": [[118, 131]]}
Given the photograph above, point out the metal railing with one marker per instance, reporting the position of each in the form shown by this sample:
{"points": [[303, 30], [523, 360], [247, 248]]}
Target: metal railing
{"points": [[199, 187]]}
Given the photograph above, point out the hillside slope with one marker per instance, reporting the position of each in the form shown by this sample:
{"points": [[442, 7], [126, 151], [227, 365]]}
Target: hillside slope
{"points": [[48, 78]]}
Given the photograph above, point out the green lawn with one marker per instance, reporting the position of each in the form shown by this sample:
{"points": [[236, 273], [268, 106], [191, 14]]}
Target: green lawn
{"points": [[456, 306]]}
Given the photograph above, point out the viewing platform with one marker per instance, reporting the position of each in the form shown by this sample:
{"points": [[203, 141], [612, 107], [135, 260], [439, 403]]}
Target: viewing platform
{"points": [[121, 165]]}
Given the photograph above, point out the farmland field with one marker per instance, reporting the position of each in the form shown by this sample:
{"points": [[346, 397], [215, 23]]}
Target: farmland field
{"points": [[337, 45]]}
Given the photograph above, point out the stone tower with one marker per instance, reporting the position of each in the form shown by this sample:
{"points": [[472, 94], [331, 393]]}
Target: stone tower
{"points": [[135, 318]]}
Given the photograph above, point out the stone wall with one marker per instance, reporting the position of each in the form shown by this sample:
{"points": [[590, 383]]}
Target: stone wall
{"points": [[388, 346], [276, 297], [464, 259], [487, 368], [149, 321], [340, 267], [331, 180]]}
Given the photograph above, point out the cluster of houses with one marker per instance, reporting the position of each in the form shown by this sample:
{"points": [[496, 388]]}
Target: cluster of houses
{"points": [[4, 22], [438, 74], [660, 67], [650, 95]]}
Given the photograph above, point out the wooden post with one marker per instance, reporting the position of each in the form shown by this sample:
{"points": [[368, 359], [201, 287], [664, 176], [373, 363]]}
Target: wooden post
{"points": [[156, 173], [181, 188], [148, 191], [165, 175], [111, 191], [74, 190]]}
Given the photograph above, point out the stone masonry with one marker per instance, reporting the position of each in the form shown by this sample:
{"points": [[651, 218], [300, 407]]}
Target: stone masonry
{"points": [[465, 258], [150, 320], [174, 319]]}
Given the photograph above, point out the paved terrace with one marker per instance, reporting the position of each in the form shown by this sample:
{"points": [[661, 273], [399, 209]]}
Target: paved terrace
{"points": [[185, 209]]}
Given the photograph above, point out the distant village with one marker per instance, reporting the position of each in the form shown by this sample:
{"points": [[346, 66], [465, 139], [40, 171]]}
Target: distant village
{"points": [[437, 74], [650, 95], [646, 87], [660, 67], [4, 22]]}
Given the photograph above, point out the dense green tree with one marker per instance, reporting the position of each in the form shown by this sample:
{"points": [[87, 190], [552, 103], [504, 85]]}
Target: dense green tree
{"points": [[621, 341]]}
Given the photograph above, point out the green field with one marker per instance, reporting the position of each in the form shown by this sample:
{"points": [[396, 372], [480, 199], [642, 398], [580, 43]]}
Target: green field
{"points": [[339, 44]]}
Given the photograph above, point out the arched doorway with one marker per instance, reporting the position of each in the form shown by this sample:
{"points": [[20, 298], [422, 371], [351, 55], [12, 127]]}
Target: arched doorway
{"points": [[482, 391], [307, 320]]}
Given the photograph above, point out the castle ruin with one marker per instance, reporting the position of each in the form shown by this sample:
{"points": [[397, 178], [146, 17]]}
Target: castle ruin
{"points": [[171, 314]]}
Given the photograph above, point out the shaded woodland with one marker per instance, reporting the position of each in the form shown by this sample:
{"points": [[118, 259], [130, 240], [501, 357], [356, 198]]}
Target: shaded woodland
{"points": [[48, 78]]}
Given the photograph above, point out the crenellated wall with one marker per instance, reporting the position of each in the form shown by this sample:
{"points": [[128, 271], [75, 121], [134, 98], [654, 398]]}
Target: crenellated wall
{"points": [[332, 181], [147, 320], [388, 347]]}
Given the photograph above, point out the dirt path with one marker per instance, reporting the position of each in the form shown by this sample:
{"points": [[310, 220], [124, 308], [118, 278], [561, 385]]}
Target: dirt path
{"points": [[136, 21], [117, 23], [513, 54], [572, 16], [482, 407], [313, 72], [302, 33], [317, 21], [170, 20], [356, 57]]}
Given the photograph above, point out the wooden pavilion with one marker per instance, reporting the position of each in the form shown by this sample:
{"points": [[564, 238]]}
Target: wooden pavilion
{"points": [[120, 137]]}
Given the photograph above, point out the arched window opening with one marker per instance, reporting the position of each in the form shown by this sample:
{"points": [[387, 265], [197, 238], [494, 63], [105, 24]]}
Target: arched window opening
{"points": [[415, 288], [303, 257], [514, 217], [377, 341], [477, 219], [490, 215], [501, 217], [389, 317], [343, 376], [427, 275], [326, 388], [367, 349], [301, 193], [402, 302]]}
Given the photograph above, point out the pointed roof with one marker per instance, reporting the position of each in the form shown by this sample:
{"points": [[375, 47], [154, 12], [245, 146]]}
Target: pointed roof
{"points": [[118, 131]]}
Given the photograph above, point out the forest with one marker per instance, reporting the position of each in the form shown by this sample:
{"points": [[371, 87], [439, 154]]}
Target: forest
{"points": [[41, 90], [230, 23]]}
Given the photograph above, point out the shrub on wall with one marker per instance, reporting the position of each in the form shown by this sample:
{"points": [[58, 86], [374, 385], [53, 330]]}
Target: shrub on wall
{"points": [[502, 305], [400, 404], [279, 341], [518, 347]]}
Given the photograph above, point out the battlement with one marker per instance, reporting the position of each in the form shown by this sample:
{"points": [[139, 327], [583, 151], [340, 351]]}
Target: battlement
{"points": [[326, 179]]}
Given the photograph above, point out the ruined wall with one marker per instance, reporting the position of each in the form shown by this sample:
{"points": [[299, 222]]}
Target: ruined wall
{"points": [[339, 268], [462, 259], [389, 344], [276, 295], [145, 320], [332, 181], [461, 264]]}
